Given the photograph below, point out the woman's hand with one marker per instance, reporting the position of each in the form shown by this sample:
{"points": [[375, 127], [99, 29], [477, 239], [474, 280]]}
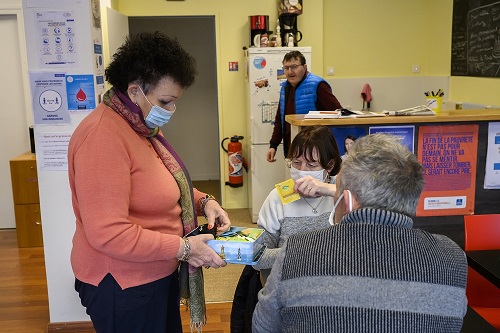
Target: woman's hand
{"points": [[312, 187], [200, 254], [217, 216]]}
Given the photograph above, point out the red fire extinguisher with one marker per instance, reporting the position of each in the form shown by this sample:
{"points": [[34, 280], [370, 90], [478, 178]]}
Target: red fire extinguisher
{"points": [[236, 161]]}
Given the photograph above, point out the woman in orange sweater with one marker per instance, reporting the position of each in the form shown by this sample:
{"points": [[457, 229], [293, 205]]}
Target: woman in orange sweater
{"points": [[133, 198]]}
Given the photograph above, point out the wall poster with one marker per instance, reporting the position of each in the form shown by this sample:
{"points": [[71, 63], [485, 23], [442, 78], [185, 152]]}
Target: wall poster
{"points": [[48, 92], [345, 134], [56, 38], [449, 155], [492, 171], [405, 133], [81, 92], [52, 151]]}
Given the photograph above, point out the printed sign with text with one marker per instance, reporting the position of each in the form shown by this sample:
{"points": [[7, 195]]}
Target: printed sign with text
{"points": [[449, 155]]}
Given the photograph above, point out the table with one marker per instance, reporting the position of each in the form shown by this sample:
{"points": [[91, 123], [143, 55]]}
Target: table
{"points": [[473, 323], [486, 263]]}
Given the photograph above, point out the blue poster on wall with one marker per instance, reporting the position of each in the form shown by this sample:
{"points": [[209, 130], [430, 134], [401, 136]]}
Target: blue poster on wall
{"points": [[81, 92], [345, 136], [405, 133]]}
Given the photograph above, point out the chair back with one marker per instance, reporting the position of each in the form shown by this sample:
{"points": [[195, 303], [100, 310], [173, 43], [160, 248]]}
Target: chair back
{"points": [[482, 232]]}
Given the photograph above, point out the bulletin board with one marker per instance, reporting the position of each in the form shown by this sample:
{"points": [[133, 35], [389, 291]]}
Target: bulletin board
{"points": [[475, 44]]}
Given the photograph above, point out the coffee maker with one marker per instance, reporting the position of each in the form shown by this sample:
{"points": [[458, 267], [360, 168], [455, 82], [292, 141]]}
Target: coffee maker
{"points": [[259, 25], [288, 29]]}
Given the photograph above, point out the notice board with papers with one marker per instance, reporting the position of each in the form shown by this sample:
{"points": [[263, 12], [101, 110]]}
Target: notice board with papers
{"points": [[475, 44]]}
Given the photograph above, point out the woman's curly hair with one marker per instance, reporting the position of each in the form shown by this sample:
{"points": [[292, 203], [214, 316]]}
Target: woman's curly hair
{"points": [[147, 58]]}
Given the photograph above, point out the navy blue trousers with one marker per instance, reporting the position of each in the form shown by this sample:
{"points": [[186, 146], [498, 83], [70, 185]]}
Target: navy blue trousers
{"points": [[149, 308]]}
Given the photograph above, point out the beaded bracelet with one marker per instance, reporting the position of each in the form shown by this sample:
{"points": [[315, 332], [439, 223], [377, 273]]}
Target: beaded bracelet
{"points": [[203, 202], [187, 250]]}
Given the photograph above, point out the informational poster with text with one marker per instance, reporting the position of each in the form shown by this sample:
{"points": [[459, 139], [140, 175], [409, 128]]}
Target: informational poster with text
{"points": [[52, 151], [405, 133], [492, 172], [81, 92], [49, 98], [56, 38], [448, 154]]}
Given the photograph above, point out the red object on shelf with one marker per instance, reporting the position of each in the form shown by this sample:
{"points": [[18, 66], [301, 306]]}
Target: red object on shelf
{"points": [[259, 22]]}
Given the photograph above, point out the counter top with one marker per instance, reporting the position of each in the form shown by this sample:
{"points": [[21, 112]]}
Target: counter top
{"points": [[472, 115]]}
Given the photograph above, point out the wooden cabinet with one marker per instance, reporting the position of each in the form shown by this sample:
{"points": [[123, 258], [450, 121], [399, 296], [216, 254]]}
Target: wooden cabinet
{"points": [[26, 200]]}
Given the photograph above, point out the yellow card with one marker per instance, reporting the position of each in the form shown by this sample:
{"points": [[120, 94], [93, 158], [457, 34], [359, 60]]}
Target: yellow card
{"points": [[286, 192]]}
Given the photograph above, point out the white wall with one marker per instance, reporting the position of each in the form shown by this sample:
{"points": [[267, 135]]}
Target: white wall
{"points": [[55, 195], [14, 120]]}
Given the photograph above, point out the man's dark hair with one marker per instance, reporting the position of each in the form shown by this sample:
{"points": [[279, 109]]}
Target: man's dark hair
{"points": [[295, 55]]}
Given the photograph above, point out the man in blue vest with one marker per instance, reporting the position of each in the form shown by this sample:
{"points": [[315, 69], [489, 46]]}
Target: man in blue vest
{"points": [[300, 93]]}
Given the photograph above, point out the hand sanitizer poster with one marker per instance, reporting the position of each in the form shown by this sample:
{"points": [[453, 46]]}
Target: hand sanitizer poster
{"points": [[81, 92]]}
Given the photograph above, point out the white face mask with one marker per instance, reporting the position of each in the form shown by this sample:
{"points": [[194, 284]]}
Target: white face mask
{"points": [[157, 116], [297, 174], [331, 219]]}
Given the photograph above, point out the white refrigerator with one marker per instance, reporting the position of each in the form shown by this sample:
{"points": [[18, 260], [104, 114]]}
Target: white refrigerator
{"points": [[263, 78]]}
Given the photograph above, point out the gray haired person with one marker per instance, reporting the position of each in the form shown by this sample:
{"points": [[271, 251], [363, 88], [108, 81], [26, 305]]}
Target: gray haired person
{"points": [[371, 271]]}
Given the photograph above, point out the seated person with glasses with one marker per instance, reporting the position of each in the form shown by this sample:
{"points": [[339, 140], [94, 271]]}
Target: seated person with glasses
{"points": [[371, 271], [300, 93], [314, 160]]}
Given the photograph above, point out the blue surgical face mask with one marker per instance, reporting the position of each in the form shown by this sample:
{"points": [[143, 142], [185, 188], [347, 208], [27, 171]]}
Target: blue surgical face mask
{"points": [[157, 116], [297, 174]]}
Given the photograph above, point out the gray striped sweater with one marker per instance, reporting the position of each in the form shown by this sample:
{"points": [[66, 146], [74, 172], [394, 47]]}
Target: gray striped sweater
{"points": [[371, 273]]}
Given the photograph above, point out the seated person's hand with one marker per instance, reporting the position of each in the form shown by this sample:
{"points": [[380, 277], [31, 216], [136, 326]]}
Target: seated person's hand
{"points": [[311, 187]]}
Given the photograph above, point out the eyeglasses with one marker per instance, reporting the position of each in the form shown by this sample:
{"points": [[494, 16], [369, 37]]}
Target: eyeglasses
{"points": [[297, 164], [291, 67]]}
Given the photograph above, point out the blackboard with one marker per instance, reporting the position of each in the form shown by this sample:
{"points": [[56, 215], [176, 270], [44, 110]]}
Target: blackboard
{"points": [[475, 41]]}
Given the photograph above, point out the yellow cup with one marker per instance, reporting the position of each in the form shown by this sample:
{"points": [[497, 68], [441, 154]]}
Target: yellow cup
{"points": [[434, 102]]}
